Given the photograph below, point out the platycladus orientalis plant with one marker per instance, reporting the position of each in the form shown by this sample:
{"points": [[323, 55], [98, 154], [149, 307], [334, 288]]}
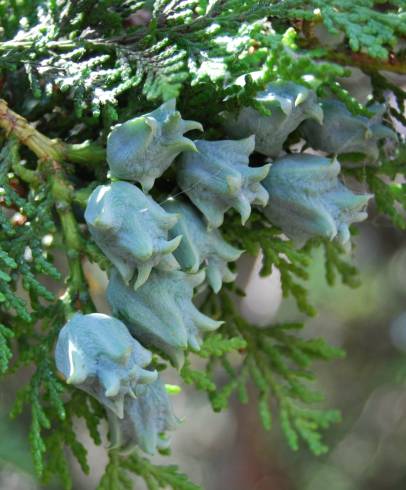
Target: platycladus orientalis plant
{"points": [[161, 141]]}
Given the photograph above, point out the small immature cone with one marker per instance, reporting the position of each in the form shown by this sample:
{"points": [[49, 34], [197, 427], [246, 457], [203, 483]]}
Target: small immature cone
{"points": [[145, 421], [161, 313], [306, 199], [201, 247], [97, 354], [289, 103], [142, 148], [342, 132], [218, 178], [132, 230]]}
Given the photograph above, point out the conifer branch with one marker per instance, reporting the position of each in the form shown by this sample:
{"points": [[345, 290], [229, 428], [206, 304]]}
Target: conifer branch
{"points": [[85, 153], [367, 63], [50, 153]]}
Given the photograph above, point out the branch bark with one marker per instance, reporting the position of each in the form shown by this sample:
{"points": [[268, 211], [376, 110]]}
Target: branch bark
{"points": [[365, 62], [86, 153]]}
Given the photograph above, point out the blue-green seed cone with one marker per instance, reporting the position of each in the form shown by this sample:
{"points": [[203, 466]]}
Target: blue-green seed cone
{"points": [[132, 230], [290, 104], [343, 132], [97, 354], [218, 178], [142, 148], [306, 199], [146, 419], [201, 247], [160, 313]]}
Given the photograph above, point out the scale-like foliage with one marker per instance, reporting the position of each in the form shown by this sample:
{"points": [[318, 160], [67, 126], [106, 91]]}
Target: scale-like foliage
{"points": [[118, 471], [276, 361], [390, 193], [277, 252], [365, 28], [24, 219], [115, 48], [5, 351]]}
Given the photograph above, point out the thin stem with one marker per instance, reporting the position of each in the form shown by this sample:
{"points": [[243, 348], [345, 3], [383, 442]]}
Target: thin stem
{"points": [[31, 177], [62, 193], [85, 153], [82, 196]]}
